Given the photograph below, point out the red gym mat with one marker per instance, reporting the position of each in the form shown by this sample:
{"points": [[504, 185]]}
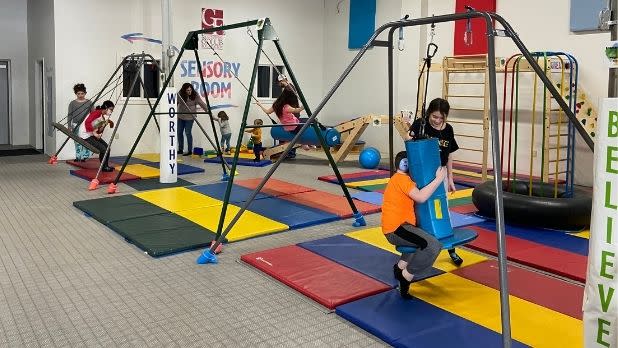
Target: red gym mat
{"points": [[91, 163], [274, 187], [553, 260], [464, 209], [543, 290], [316, 277], [355, 175], [104, 177], [331, 203]]}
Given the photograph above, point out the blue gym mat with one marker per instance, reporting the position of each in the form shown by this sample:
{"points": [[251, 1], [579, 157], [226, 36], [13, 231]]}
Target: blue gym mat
{"points": [[247, 162], [556, 239], [292, 214], [415, 323], [459, 220], [369, 197], [238, 194], [361, 257]]}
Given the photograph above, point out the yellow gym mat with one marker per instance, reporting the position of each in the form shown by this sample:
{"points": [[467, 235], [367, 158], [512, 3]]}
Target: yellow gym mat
{"points": [[141, 170], [460, 194], [531, 324], [176, 199], [152, 157], [375, 237], [249, 225], [367, 182], [241, 155]]}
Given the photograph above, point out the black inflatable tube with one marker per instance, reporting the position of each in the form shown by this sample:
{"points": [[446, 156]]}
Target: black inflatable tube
{"points": [[540, 210]]}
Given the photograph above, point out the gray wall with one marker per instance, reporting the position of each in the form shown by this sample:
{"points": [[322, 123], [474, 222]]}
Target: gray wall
{"points": [[41, 44], [14, 43]]}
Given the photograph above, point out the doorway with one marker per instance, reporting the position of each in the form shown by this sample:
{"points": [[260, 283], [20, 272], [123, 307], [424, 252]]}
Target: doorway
{"points": [[5, 102]]}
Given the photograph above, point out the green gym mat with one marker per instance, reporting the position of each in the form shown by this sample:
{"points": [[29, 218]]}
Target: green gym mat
{"points": [[108, 209], [459, 201], [163, 234], [371, 188], [153, 184]]}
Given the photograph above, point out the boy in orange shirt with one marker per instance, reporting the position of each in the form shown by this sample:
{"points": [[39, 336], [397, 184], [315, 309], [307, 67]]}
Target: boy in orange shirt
{"points": [[399, 222]]}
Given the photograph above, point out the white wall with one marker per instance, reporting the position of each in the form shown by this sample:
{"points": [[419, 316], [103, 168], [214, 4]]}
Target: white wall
{"points": [[100, 48], [14, 43], [40, 46]]}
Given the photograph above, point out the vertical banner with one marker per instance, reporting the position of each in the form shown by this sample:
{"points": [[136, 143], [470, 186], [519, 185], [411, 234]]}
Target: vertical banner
{"points": [[362, 22], [478, 39], [168, 165], [600, 298]]}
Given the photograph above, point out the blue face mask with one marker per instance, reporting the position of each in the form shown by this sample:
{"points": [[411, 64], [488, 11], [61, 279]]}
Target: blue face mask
{"points": [[403, 165]]}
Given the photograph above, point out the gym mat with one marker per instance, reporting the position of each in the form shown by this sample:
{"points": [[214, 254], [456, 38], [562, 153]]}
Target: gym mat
{"points": [[163, 234], [320, 279], [117, 208], [176, 199], [535, 287], [361, 257], [154, 184], [274, 187], [238, 193], [352, 180], [369, 197], [531, 324], [249, 225], [415, 323], [289, 213], [552, 260], [374, 236], [120, 160], [372, 182], [181, 168], [104, 177], [551, 238], [152, 157], [247, 162], [144, 171], [372, 188], [356, 175], [244, 155], [90, 163], [330, 203], [464, 208], [460, 220], [467, 192], [459, 201]]}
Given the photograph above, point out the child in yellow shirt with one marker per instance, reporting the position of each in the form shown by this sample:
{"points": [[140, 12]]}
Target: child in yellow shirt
{"points": [[256, 138]]}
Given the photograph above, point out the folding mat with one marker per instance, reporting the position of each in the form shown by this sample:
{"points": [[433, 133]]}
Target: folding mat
{"points": [[90, 163], [247, 162], [329, 202], [361, 257], [104, 177], [549, 292], [154, 184], [415, 323], [539, 256], [322, 280], [274, 187]]}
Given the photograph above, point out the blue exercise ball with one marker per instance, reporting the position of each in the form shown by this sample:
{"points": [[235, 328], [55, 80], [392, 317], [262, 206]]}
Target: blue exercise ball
{"points": [[369, 158]]}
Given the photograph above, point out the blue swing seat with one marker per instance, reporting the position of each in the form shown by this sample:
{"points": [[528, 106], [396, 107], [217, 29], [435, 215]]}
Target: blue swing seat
{"points": [[460, 236]]}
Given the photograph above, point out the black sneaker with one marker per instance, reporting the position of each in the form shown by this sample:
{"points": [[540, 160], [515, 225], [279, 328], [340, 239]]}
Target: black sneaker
{"points": [[457, 260], [108, 169], [404, 289], [187, 154], [398, 273]]}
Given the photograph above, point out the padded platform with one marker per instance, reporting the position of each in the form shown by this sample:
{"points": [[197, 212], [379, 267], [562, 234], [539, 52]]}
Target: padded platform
{"points": [[163, 234], [289, 213], [177, 199], [143, 171], [274, 187], [459, 237], [322, 280], [375, 237], [557, 261], [369, 197], [249, 225], [104, 177], [117, 208], [90, 163], [415, 323], [464, 209], [361, 257], [331, 203], [535, 287], [154, 184], [238, 194], [247, 162], [551, 238]]}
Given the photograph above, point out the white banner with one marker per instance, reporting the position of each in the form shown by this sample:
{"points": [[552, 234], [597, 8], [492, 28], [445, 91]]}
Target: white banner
{"points": [[600, 298], [168, 165]]}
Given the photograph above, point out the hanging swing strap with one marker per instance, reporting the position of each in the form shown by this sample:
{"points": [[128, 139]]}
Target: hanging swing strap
{"points": [[431, 51], [468, 32]]}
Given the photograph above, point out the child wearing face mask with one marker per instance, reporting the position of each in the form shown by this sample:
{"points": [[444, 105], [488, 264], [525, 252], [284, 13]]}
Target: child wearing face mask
{"points": [[437, 127], [91, 130]]}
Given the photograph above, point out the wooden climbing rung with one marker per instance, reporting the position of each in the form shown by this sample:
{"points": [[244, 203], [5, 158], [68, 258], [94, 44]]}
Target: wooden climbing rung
{"points": [[466, 122], [77, 139], [465, 96], [464, 83], [466, 109]]}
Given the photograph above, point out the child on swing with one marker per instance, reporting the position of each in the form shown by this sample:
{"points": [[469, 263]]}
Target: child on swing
{"points": [[91, 130], [399, 223]]}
